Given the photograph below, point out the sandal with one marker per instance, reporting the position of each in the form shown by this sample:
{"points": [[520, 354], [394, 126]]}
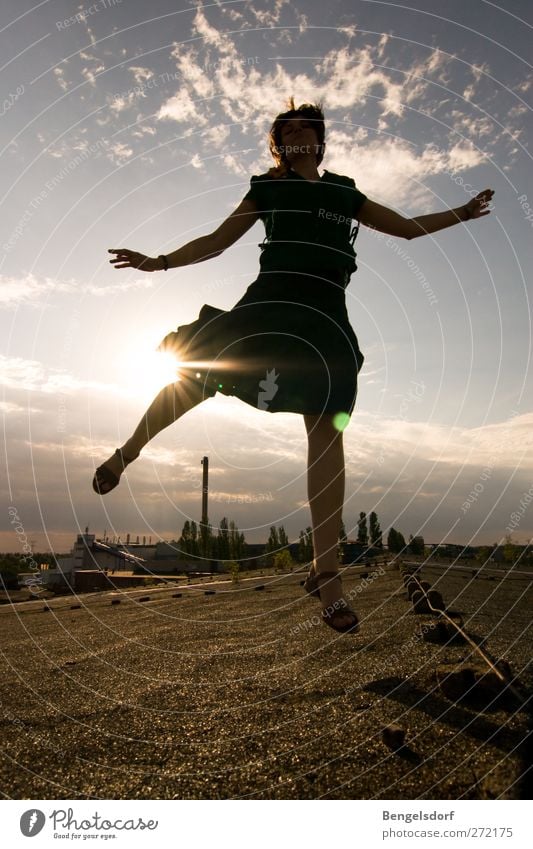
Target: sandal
{"points": [[310, 585], [338, 609], [104, 477]]}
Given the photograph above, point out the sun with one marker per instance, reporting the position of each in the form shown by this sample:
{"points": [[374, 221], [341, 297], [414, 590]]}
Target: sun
{"points": [[145, 370]]}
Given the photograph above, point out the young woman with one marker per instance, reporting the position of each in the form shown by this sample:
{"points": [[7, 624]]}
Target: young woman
{"points": [[287, 344]]}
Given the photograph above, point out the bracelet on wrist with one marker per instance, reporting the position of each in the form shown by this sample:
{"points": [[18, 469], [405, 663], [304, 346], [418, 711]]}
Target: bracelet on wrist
{"points": [[165, 261], [468, 216]]}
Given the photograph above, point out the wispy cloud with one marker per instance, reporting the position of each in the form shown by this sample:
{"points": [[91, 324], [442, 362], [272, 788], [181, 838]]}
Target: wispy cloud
{"points": [[411, 473], [35, 291], [32, 375], [215, 76]]}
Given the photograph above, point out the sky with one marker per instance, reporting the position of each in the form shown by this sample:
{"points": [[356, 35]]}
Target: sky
{"points": [[126, 124]]}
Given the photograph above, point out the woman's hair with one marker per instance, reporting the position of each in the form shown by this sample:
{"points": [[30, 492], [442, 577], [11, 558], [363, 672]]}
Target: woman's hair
{"points": [[313, 112]]}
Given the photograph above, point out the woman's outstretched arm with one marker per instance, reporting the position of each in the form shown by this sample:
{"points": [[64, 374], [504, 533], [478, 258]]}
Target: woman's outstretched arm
{"points": [[206, 247], [385, 220]]}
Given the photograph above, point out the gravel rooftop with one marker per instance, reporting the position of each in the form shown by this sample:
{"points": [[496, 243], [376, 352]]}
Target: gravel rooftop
{"points": [[238, 691]]}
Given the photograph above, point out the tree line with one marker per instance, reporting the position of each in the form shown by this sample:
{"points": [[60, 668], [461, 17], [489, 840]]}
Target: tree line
{"points": [[228, 543]]}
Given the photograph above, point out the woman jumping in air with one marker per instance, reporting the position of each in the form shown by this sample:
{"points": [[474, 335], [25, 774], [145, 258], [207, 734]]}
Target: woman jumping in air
{"points": [[287, 344]]}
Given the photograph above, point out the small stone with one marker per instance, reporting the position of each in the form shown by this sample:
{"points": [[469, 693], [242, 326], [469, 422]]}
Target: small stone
{"points": [[436, 600], [488, 683], [420, 604], [393, 736], [434, 632], [456, 682], [412, 588]]}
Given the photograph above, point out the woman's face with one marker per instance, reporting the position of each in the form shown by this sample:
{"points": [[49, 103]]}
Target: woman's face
{"points": [[298, 136]]}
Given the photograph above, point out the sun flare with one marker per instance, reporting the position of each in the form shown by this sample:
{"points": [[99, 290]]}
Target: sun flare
{"points": [[145, 370]]}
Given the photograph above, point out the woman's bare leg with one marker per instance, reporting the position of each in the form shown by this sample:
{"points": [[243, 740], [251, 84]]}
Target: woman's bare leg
{"points": [[170, 403], [325, 481]]}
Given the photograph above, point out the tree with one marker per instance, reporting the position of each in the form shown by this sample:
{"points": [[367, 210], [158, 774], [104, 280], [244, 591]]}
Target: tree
{"points": [[205, 541], [305, 546], [301, 548], [10, 566], [272, 545], [184, 542], [234, 569], [342, 533], [362, 534], [376, 538], [416, 545], [282, 537], [236, 542], [511, 552], [223, 551], [395, 541], [342, 540], [283, 561], [194, 544]]}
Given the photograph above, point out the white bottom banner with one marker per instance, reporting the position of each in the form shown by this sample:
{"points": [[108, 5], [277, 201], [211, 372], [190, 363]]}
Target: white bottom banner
{"points": [[245, 823]]}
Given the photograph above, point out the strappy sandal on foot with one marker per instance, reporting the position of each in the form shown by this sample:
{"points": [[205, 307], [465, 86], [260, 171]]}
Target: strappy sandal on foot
{"points": [[310, 585], [104, 479], [332, 614]]}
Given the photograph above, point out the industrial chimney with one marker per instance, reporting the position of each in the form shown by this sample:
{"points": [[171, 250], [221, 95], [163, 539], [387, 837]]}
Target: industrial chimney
{"points": [[205, 485]]}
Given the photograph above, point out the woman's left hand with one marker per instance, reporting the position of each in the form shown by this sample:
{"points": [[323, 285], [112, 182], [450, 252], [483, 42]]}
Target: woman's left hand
{"points": [[477, 206]]}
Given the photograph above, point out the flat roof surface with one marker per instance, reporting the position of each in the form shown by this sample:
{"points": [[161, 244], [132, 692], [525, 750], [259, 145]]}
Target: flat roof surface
{"points": [[247, 694]]}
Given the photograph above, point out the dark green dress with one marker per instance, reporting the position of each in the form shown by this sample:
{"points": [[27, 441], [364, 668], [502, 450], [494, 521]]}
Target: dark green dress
{"points": [[287, 345]]}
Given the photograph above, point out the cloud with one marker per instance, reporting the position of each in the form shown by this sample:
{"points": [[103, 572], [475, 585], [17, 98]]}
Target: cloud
{"points": [[140, 74], [389, 169], [18, 374], [35, 292], [90, 74], [235, 165], [119, 153], [214, 77], [416, 475], [181, 108], [197, 163], [60, 79]]}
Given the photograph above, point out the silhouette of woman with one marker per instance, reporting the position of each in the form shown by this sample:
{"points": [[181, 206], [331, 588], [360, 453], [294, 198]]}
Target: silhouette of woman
{"points": [[287, 344]]}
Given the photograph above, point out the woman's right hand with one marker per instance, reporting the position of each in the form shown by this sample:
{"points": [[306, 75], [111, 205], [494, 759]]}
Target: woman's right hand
{"points": [[132, 259]]}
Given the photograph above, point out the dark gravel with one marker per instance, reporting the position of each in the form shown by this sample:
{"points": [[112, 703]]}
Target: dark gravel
{"points": [[246, 694]]}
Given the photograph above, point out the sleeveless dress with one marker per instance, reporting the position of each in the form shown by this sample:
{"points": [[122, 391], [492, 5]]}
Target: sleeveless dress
{"points": [[287, 345]]}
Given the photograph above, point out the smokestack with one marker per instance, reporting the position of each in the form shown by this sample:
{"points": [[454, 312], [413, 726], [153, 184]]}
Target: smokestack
{"points": [[205, 487]]}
